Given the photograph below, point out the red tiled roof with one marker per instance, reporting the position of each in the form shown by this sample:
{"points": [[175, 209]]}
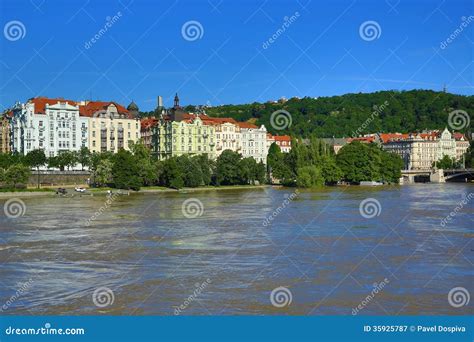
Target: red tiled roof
{"points": [[148, 123], [94, 106], [282, 138], [458, 136], [41, 102], [386, 137], [246, 125], [362, 139]]}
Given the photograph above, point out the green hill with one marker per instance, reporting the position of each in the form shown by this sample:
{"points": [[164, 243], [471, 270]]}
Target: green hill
{"points": [[405, 111]]}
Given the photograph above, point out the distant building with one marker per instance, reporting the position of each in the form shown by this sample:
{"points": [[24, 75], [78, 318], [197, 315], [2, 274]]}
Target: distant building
{"points": [[284, 142], [421, 150], [336, 143]]}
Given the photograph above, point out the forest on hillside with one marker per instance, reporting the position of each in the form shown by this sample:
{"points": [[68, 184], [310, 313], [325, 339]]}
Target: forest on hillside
{"points": [[341, 116]]}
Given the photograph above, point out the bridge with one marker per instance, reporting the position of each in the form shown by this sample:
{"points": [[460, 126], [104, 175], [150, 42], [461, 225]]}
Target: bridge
{"points": [[436, 175]]}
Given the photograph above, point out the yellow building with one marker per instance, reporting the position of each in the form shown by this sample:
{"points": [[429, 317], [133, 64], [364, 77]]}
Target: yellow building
{"points": [[111, 126], [4, 134]]}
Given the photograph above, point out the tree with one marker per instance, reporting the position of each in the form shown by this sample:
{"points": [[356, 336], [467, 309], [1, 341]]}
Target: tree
{"points": [[391, 166], [36, 159], [329, 170], [247, 168], [191, 170], [227, 168], [142, 155], [126, 171], [444, 163], [172, 175], [84, 157], [309, 176], [102, 173], [206, 166], [359, 162], [17, 174]]}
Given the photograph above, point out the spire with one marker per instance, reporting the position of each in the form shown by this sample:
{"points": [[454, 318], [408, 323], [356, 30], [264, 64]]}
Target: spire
{"points": [[176, 101]]}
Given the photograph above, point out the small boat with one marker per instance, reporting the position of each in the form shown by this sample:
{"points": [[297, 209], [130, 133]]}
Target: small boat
{"points": [[370, 183], [82, 190]]}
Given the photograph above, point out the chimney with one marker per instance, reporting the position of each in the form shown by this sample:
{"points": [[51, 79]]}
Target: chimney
{"points": [[160, 102]]}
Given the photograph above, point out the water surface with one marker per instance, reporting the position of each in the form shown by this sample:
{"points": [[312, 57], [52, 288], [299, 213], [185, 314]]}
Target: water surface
{"points": [[319, 246]]}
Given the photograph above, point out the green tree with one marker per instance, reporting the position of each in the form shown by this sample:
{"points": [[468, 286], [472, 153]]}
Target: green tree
{"points": [[17, 174], [172, 175], [329, 170], [84, 157], [36, 159], [102, 174], [444, 163], [126, 171], [309, 176], [391, 166], [191, 171], [206, 167], [359, 162], [227, 168]]}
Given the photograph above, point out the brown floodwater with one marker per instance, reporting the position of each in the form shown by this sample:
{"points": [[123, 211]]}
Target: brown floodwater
{"points": [[217, 253]]}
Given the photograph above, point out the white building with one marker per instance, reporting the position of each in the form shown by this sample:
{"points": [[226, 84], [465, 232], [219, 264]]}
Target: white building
{"points": [[254, 141], [228, 135], [420, 150], [53, 125]]}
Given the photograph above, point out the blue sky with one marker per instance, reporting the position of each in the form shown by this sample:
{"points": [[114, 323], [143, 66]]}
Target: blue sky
{"points": [[143, 54]]}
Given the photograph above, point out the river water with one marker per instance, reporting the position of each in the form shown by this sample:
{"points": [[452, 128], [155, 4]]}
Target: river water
{"points": [[216, 252]]}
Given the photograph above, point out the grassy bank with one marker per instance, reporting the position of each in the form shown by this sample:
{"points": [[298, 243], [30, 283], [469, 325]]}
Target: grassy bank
{"points": [[33, 192]]}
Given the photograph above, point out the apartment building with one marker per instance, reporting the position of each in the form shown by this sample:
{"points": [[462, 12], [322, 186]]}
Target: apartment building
{"points": [[54, 125], [110, 126]]}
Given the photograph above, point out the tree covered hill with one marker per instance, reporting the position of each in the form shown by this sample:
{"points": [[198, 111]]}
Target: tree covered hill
{"points": [[404, 111]]}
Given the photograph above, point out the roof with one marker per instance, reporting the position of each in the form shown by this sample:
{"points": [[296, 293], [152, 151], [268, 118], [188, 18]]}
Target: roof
{"points": [[41, 102], [246, 125], [282, 137], [335, 141], [386, 137], [148, 123], [362, 139], [93, 107], [459, 136]]}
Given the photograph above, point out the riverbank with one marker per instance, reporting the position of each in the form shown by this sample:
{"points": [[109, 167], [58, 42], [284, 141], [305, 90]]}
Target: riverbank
{"points": [[144, 190]]}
